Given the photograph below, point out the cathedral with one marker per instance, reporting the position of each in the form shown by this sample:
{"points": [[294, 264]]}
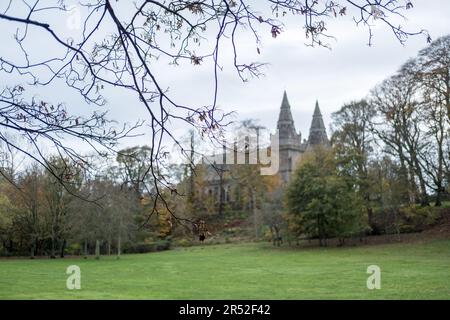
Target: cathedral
{"points": [[219, 186], [291, 144]]}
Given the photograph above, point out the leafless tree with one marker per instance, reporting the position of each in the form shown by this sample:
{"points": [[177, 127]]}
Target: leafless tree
{"points": [[39, 123], [398, 127], [433, 77], [120, 44]]}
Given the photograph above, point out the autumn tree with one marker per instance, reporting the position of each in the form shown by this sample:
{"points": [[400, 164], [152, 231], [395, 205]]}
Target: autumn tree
{"points": [[7, 213], [31, 221], [119, 46], [58, 198], [108, 217]]}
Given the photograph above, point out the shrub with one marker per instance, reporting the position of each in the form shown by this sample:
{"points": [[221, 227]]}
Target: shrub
{"points": [[163, 244], [140, 248], [416, 218], [149, 246], [74, 249], [184, 242]]}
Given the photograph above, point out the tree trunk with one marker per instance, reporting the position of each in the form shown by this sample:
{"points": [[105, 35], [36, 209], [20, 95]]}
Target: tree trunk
{"points": [[63, 248], [118, 246], [370, 217], [85, 249], [97, 249], [32, 252], [424, 201], [34, 248], [53, 249], [404, 175], [255, 216], [413, 186]]}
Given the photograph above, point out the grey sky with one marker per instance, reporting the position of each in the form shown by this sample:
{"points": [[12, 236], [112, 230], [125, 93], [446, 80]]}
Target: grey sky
{"points": [[333, 77], [345, 73]]}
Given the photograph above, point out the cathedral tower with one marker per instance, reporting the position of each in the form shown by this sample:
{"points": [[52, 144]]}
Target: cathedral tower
{"points": [[317, 131], [289, 139]]}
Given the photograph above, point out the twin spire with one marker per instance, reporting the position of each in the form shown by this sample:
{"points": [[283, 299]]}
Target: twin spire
{"points": [[317, 131]]}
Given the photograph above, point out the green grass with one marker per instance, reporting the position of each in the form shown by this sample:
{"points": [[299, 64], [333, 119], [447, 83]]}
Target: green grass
{"points": [[246, 271]]}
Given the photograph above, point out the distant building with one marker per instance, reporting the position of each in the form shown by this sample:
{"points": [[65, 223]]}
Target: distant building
{"points": [[291, 147], [291, 144]]}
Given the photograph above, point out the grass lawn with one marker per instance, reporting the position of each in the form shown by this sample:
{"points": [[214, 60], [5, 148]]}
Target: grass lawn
{"points": [[244, 271]]}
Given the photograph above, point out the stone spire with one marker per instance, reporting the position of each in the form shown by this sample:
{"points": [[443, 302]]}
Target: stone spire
{"points": [[285, 123], [317, 131], [289, 141]]}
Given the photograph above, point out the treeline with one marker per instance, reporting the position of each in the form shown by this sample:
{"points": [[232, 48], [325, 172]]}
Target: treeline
{"points": [[389, 158], [70, 210]]}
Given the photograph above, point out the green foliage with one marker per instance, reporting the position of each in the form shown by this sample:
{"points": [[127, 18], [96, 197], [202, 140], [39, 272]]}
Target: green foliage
{"points": [[184, 242], [151, 246], [407, 219], [6, 213], [75, 249], [417, 218], [323, 202], [139, 248]]}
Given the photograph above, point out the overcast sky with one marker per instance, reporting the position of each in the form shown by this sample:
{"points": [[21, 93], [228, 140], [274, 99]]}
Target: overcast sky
{"points": [[333, 77]]}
